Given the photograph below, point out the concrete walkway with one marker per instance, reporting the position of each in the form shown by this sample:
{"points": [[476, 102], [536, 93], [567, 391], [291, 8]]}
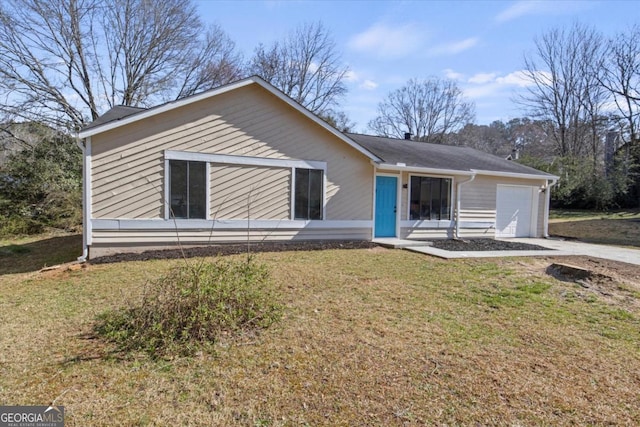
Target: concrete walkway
{"points": [[557, 247]]}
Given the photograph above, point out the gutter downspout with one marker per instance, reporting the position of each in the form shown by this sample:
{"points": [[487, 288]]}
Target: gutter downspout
{"points": [[547, 189], [458, 203], [85, 248]]}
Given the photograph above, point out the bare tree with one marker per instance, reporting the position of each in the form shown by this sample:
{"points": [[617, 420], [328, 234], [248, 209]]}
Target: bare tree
{"points": [[621, 77], [66, 61], [428, 109], [339, 120], [565, 85], [305, 66]]}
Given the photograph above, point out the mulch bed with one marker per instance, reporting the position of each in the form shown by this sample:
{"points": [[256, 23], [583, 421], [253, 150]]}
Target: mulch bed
{"points": [[232, 249], [484, 245]]}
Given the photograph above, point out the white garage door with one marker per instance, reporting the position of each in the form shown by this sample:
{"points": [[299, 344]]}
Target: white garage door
{"points": [[514, 211]]}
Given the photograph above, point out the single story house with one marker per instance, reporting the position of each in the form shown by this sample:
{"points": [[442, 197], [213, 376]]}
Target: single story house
{"points": [[244, 161]]}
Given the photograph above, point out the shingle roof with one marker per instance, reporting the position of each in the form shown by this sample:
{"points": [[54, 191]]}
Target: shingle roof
{"points": [[437, 156], [116, 113]]}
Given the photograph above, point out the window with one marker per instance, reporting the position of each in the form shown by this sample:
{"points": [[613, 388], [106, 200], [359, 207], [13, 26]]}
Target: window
{"points": [[430, 198], [308, 194], [188, 189]]}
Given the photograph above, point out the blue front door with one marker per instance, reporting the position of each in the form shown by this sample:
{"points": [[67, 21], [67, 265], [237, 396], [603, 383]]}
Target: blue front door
{"points": [[386, 196]]}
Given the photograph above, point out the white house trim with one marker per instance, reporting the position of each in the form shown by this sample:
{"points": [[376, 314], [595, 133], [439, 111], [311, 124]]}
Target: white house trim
{"points": [[513, 175], [416, 169], [244, 160], [224, 224], [87, 238]]}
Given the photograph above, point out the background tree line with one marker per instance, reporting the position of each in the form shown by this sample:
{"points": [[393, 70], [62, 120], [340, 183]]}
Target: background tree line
{"points": [[63, 63]]}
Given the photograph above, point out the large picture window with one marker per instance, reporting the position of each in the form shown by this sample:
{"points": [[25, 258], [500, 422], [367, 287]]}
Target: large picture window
{"points": [[430, 198], [308, 194], [188, 189]]}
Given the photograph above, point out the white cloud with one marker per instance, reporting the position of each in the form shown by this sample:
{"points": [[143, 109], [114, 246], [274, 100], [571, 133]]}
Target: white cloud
{"points": [[388, 42], [482, 78], [521, 79], [519, 9], [351, 76], [454, 48], [487, 85], [542, 7], [453, 75], [369, 85]]}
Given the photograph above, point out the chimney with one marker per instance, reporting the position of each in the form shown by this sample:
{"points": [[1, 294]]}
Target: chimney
{"points": [[515, 154], [407, 136]]}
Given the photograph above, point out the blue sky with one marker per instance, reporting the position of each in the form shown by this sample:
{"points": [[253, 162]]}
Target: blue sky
{"points": [[480, 44]]}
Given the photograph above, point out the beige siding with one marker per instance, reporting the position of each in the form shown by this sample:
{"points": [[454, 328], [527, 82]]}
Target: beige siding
{"points": [[542, 202], [426, 233], [479, 203], [128, 162], [238, 192], [478, 207]]}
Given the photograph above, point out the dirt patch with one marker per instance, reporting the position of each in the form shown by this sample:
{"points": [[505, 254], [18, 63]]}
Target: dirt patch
{"points": [[484, 245], [613, 282], [232, 249]]}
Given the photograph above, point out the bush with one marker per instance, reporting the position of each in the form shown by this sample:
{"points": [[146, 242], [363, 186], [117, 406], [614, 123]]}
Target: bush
{"points": [[41, 184], [192, 306]]}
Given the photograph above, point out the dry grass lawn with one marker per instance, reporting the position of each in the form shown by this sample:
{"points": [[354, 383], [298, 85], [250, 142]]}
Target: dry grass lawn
{"points": [[369, 337], [616, 228]]}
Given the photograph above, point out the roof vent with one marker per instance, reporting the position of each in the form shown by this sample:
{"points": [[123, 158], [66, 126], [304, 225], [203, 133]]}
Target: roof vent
{"points": [[407, 136]]}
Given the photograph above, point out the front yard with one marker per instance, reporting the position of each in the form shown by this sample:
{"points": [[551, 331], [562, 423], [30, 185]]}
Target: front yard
{"points": [[369, 337], [615, 228]]}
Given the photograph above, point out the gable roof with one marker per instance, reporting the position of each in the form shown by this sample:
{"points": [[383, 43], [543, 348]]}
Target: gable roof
{"points": [[116, 113], [389, 153], [121, 116], [400, 153]]}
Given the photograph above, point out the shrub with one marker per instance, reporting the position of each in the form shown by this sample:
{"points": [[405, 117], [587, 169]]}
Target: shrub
{"points": [[41, 183], [191, 306]]}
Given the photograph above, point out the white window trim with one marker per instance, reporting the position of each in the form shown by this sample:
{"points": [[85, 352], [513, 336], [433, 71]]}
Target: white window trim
{"points": [[426, 223], [292, 201], [227, 159], [244, 160], [167, 189]]}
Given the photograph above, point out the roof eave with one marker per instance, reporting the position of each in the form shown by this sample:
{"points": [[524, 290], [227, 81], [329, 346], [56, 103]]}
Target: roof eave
{"points": [[224, 89], [166, 107], [515, 174], [470, 172], [420, 169]]}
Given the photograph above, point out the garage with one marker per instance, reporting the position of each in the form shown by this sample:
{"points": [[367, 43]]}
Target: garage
{"points": [[514, 208]]}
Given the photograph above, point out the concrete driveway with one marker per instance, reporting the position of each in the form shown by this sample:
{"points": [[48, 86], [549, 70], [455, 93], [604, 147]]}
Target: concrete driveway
{"points": [[557, 247], [572, 247]]}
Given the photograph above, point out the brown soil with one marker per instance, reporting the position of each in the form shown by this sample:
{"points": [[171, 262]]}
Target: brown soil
{"points": [[232, 249], [484, 245], [617, 283]]}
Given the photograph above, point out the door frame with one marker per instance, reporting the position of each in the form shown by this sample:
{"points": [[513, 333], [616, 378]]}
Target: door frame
{"points": [[533, 219], [398, 200]]}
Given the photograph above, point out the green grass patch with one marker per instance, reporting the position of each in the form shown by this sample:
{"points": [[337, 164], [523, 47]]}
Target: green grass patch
{"points": [[364, 337], [14, 250], [576, 215], [609, 228], [25, 254]]}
